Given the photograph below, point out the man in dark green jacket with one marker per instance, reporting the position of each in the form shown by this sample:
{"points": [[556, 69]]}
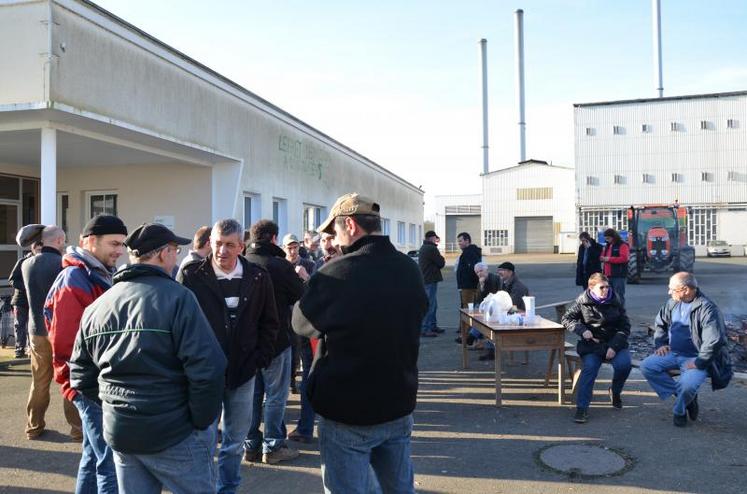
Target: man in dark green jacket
{"points": [[146, 350], [431, 262]]}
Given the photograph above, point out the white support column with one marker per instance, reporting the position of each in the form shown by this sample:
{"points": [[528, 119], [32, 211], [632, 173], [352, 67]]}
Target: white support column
{"points": [[48, 176]]}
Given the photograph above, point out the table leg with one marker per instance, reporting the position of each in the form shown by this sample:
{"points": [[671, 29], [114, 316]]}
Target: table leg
{"points": [[498, 371], [561, 375], [464, 329]]}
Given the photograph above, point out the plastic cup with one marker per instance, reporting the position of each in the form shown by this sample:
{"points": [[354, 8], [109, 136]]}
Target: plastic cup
{"points": [[470, 306]]}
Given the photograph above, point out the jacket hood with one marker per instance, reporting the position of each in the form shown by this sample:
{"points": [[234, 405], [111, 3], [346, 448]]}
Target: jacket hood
{"points": [[137, 270], [265, 249], [81, 258]]}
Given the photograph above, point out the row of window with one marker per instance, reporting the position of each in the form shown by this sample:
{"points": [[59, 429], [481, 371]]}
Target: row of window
{"points": [[533, 193], [648, 178], [495, 238], [731, 123]]}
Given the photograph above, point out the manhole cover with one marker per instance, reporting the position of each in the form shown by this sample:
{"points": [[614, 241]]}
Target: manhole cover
{"points": [[584, 460]]}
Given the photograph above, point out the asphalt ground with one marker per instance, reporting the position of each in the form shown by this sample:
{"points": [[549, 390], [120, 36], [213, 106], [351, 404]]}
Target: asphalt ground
{"points": [[462, 442]]}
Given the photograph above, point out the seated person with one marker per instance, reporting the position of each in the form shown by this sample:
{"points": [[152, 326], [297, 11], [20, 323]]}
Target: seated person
{"points": [[487, 283], [599, 319], [690, 336]]}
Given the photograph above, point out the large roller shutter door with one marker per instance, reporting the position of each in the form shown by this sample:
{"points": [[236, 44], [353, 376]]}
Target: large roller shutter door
{"points": [[456, 224], [533, 234]]}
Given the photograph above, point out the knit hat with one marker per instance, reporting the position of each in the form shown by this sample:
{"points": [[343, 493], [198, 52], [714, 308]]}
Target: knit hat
{"points": [[104, 224], [507, 265]]}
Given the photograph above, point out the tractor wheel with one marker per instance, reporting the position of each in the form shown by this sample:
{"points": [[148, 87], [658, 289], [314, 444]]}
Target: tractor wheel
{"points": [[634, 269], [687, 259]]}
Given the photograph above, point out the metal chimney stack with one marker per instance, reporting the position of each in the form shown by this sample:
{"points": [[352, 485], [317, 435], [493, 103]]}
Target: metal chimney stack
{"points": [[484, 54], [519, 42], [658, 73]]}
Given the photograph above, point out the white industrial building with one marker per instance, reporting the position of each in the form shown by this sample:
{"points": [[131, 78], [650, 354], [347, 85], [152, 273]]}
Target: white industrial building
{"points": [[456, 214], [687, 149], [97, 116]]}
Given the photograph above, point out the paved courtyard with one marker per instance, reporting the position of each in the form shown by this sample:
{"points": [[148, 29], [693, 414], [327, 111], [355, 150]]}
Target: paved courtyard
{"points": [[462, 443]]}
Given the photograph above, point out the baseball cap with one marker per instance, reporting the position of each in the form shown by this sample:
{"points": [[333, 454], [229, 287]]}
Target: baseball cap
{"points": [[430, 233], [29, 234], [150, 236], [507, 265], [349, 205], [289, 238]]}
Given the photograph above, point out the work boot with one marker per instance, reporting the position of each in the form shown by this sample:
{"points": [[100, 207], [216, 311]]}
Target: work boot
{"points": [[253, 455], [693, 409], [283, 453], [615, 399], [490, 355], [581, 416], [679, 420]]}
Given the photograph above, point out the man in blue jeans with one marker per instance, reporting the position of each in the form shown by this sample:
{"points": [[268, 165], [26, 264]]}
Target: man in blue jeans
{"points": [[364, 380], [690, 336], [238, 300], [431, 262]]}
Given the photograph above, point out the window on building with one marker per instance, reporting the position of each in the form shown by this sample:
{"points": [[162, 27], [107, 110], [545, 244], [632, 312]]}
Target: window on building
{"points": [[590, 132], [252, 209], [312, 216], [646, 128], [676, 127], [401, 232], [413, 234], [620, 180], [495, 238], [733, 176], [706, 125], [592, 180], [462, 209], [280, 215], [385, 226], [647, 178], [701, 226], [706, 176], [63, 207], [732, 123], [420, 234], [618, 130], [678, 178], [595, 221], [533, 193], [102, 203]]}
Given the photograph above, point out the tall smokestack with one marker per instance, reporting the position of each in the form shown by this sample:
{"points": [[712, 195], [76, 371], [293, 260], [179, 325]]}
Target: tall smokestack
{"points": [[656, 11], [484, 54], [519, 42]]}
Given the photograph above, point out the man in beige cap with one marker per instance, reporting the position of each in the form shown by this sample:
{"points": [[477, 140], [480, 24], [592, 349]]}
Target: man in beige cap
{"points": [[364, 380]]}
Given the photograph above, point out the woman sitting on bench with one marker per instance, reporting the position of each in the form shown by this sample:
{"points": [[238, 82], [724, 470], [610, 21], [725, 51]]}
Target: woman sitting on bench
{"points": [[599, 319]]}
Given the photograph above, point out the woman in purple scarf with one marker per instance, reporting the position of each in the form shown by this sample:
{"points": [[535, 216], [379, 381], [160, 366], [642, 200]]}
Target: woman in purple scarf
{"points": [[599, 319]]}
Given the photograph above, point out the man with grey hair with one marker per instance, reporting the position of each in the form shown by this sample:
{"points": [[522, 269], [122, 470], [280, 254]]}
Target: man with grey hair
{"points": [[238, 300], [39, 272], [690, 336]]}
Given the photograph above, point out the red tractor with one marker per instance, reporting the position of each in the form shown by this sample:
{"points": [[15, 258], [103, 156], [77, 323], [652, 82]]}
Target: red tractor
{"points": [[657, 236]]}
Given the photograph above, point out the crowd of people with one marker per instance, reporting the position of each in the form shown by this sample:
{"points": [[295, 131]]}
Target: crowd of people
{"points": [[159, 362]]}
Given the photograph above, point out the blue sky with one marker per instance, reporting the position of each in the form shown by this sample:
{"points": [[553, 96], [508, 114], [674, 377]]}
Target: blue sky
{"points": [[399, 81]]}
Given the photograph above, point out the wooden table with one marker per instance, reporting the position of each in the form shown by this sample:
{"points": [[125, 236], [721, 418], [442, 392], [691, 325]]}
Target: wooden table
{"points": [[542, 334]]}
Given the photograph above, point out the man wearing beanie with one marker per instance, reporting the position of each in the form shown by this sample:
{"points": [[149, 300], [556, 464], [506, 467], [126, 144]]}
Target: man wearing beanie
{"points": [[86, 274], [160, 371]]}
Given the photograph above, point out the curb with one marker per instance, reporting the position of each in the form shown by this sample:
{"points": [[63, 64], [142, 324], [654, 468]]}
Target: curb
{"points": [[17, 361]]}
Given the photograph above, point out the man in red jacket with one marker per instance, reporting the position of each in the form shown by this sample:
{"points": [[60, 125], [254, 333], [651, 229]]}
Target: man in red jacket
{"points": [[86, 274], [615, 258]]}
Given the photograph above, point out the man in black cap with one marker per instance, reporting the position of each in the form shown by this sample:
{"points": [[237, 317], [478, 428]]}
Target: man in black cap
{"points": [[431, 262], [38, 273], [146, 350], [86, 274], [364, 379]]}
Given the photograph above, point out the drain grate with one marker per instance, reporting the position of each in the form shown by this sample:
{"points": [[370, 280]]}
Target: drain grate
{"points": [[584, 460]]}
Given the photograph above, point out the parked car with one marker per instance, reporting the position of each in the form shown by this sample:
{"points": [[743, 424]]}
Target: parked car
{"points": [[717, 248]]}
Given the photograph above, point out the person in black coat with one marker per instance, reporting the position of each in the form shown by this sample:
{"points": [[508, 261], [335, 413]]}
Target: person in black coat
{"points": [[465, 269], [599, 319], [587, 261], [431, 262]]}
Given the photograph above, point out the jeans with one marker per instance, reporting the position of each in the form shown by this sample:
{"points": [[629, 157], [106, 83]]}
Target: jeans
{"points": [[352, 454], [618, 286], [20, 328], [273, 382], [236, 417], [96, 471], [185, 468], [479, 336], [429, 321], [654, 369], [592, 362], [305, 425]]}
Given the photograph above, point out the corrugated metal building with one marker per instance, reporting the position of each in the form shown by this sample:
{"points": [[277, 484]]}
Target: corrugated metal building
{"points": [[456, 214], [527, 208], [690, 149]]}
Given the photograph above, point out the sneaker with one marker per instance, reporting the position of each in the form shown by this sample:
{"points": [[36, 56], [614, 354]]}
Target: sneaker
{"points": [[679, 420], [428, 334], [283, 453], [693, 409], [581, 416], [300, 438], [615, 399], [253, 455], [488, 356]]}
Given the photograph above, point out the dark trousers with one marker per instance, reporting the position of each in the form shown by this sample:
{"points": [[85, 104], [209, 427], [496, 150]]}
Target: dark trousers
{"points": [[20, 328]]}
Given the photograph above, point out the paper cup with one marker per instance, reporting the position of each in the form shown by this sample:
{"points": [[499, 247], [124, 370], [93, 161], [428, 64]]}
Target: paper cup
{"points": [[470, 306]]}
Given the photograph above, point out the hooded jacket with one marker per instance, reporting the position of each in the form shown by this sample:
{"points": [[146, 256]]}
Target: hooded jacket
{"points": [[465, 273], [82, 280], [146, 349], [608, 323], [287, 286]]}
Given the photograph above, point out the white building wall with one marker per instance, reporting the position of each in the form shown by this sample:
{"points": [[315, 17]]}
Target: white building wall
{"points": [[501, 206], [463, 202], [24, 45]]}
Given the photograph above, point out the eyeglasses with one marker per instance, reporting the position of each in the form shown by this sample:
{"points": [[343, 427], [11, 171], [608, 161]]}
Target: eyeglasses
{"points": [[603, 287], [678, 289]]}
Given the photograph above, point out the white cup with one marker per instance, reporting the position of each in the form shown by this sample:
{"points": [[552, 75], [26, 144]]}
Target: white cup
{"points": [[470, 306]]}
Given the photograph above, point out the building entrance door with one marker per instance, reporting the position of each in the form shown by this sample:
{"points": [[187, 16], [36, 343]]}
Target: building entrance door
{"points": [[19, 205]]}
